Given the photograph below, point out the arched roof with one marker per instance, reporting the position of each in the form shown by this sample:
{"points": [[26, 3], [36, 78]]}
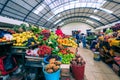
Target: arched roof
{"points": [[50, 13]]}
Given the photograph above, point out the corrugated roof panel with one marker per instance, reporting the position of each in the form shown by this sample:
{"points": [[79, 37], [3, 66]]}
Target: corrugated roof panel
{"points": [[17, 7], [14, 11], [3, 1], [22, 3], [1, 6], [31, 2], [12, 15], [34, 15]]}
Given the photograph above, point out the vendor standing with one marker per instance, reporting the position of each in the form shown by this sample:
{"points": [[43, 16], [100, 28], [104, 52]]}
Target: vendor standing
{"points": [[59, 31]]}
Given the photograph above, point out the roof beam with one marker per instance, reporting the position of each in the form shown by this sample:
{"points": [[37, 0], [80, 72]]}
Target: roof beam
{"points": [[4, 6]]}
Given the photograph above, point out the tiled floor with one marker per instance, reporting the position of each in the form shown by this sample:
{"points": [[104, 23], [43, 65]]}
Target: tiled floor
{"points": [[95, 70]]}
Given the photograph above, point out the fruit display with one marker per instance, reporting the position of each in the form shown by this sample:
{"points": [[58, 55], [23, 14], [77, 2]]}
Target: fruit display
{"points": [[24, 39], [78, 60], [114, 42], [53, 66], [66, 55], [44, 50], [67, 42]]}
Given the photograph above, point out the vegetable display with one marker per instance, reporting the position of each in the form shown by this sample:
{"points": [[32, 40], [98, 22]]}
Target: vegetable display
{"points": [[44, 50], [53, 66], [78, 60], [49, 42], [66, 55]]}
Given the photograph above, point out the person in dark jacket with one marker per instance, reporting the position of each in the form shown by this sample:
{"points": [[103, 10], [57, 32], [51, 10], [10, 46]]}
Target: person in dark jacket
{"points": [[83, 39], [78, 38]]}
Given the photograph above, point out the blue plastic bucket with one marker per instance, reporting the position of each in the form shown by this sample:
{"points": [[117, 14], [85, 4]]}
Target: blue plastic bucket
{"points": [[52, 76]]}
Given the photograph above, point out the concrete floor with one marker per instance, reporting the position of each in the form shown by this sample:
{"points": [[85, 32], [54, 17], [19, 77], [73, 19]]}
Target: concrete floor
{"points": [[95, 70]]}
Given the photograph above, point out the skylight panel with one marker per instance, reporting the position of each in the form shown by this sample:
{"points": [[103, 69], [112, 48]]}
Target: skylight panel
{"points": [[94, 17], [39, 9], [100, 1], [48, 1], [90, 21], [58, 10], [95, 10], [51, 6], [89, 4], [58, 15], [106, 10], [57, 21], [66, 7], [50, 17], [71, 6], [83, 4], [76, 4]]}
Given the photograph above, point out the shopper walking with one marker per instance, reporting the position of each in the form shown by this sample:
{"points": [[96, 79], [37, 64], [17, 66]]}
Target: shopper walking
{"points": [[83, 39], [78, 38]]}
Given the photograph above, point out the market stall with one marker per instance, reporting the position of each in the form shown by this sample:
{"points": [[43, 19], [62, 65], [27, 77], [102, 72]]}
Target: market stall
{"points": [[109, 47], [39, 48]]}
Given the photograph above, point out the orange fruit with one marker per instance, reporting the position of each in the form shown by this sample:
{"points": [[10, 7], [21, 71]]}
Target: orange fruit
{"points": [[4, 38], [0, 40]]}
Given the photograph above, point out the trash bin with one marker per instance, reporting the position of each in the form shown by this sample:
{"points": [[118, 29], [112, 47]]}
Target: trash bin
{"points": [[78, 71], [97, 56]]}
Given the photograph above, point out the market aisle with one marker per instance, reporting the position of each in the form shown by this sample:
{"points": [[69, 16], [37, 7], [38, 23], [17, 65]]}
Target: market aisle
{"points": [[96, 70]]}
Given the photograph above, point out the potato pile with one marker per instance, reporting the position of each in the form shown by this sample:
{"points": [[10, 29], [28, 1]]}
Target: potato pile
{"points": [[52, 66], [78, 60]]}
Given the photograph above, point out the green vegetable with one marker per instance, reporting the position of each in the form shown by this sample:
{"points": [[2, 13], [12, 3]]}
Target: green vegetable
{"points": [[66, 58]]}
